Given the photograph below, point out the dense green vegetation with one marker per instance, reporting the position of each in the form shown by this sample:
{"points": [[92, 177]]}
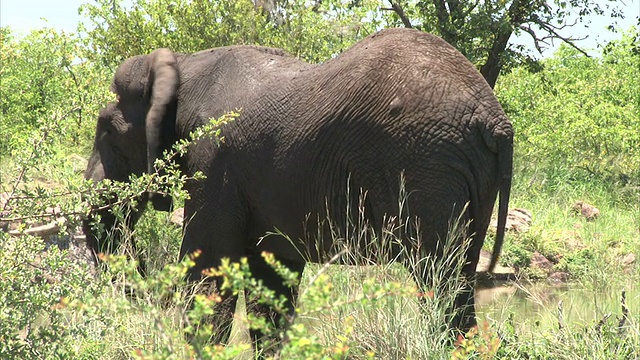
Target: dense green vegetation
{"points": [[577, 138], [577, 122]]}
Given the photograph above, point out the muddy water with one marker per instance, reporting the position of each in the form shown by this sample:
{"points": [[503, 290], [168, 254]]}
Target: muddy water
{"points": [[538, 304]]}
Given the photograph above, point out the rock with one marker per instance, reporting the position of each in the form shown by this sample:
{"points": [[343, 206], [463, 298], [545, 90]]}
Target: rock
{"points": [[588, 211], [628, 260], [518, 220], [571, 239], [485, 260], [177, 217], [538, 261], [558, 277]]}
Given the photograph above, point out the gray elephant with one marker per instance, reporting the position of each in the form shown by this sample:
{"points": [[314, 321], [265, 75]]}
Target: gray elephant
{"points": [[398, 102]]}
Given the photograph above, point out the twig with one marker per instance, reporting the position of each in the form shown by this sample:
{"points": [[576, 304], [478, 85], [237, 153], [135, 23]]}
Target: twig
{"points": [[45, 229], [39, 216], [602, 321], [625, 311], [536, 40], [560, 316], [553, 30], [23, 171], [29, 197], [32, 156]]}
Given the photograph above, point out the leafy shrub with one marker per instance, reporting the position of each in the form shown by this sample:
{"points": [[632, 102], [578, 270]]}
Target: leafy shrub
{"points": [[34, 284], [480, 342], [579, 116], [45, 85], [578, 262]]}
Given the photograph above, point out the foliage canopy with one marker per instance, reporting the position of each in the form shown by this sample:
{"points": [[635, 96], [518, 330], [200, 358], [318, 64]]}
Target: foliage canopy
{"points": [[581, 114]]}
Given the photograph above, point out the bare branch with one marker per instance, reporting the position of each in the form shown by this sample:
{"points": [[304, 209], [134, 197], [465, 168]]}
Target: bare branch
{"points": [[563, 26], [536, 39], [554, 31]]}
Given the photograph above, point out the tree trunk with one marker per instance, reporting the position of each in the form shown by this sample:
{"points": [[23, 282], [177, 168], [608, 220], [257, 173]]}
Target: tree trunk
{"points": [[491, 68]]}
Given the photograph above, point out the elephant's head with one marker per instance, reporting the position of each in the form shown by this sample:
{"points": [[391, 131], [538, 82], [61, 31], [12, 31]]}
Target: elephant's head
{"points": [[134, 131]]}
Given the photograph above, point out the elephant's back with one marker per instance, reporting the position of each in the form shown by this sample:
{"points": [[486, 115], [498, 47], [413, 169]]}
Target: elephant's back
{"points": [[220, 80]]}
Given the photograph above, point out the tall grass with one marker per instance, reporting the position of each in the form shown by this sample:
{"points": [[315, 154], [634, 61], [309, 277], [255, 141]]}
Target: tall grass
{"points": [[394, 302], [59, 308]]}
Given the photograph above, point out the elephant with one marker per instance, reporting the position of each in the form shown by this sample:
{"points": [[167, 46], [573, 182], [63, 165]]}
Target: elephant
{"points": [[399, 103]]}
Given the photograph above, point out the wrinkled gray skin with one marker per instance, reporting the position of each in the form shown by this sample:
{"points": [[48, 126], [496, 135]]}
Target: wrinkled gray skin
{"points": [[399, 100]]}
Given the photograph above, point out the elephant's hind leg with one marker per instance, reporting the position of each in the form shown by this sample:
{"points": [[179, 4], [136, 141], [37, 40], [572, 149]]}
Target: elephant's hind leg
{"points": [[462, 315]]}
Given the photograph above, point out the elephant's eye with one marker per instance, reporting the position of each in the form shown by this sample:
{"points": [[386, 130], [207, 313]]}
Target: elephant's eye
{"points": [[108, 130], [118, 127]]}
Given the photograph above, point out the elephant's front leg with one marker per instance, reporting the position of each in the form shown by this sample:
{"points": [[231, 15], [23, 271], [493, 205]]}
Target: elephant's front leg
{"points": [[215, 227], [276, 320]]}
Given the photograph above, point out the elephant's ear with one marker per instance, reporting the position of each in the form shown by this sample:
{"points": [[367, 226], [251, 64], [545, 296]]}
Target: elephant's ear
{"points": [[163, 83]]}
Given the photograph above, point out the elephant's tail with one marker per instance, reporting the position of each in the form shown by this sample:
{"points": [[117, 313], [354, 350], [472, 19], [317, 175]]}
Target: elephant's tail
{"points": [[505, 167]]}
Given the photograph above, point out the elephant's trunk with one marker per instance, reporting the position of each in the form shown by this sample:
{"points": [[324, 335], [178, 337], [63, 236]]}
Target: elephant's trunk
{"points": [[163, 82]]}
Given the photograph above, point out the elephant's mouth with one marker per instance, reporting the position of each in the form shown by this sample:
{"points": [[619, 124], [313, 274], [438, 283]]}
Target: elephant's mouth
{"points": [[97, 232], [104, 231]]}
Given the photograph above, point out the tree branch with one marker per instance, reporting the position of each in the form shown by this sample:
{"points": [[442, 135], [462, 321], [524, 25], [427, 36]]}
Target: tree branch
{"points": [[553, 30], [395, 7], [536, 40], [444, 23], [465, 14]]}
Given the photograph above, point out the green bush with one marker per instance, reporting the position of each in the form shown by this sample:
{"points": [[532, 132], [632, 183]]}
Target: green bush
{"points": [[35, 283], [47, 86], [517, 254], [578, 118]]}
